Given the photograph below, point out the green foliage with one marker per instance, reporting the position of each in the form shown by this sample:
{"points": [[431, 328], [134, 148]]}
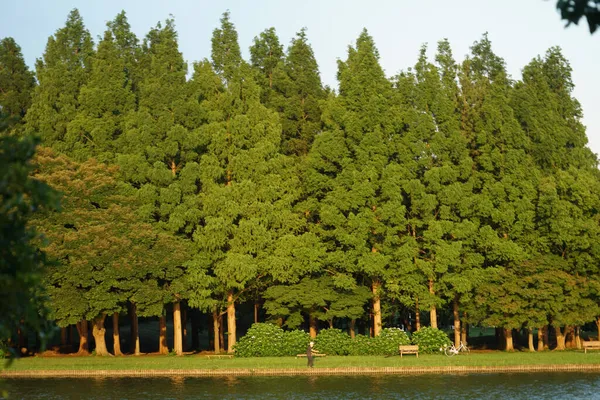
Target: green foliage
{"points": [[333, 341], [430, 340], [17, 84], [22, 265]]}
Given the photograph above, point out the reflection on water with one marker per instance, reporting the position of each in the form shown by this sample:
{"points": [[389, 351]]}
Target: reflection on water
{"points": [[473, 386]]}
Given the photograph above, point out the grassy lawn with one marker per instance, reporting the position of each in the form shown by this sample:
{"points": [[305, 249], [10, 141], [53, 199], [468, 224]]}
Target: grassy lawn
{"points": [[199, 362]]}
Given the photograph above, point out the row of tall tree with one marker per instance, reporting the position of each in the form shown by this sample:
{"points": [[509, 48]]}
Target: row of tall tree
{"points": [[449, 187]]}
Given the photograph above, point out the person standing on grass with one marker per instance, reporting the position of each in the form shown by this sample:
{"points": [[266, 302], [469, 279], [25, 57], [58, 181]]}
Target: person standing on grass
{"points": [[310, 352]]}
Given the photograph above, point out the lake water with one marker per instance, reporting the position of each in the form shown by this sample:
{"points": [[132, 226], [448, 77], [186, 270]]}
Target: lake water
{"points": [[469, 386]]}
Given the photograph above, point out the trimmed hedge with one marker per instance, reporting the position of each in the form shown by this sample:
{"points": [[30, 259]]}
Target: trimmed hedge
{"points": [[268, 340]]}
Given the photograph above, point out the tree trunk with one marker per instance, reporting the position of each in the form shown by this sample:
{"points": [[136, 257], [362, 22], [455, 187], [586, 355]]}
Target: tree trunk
{"points": [[530, 339], [417, 315], [570, 341], [464, 329], [231, 326], [195, 329], [456, 315], [546, 334], [99, 333], [540, 337], [177, 339], [560, 338], [82, 330], [222, 332], [184, 331], [116, 335], [330, 323], [598, 325], [256, 307], [216, 323], [508, 340], [135, 331], [353, 328], [312, 326], [578, 344], [432, 310], [376, 308], [163, 348], [72, 329]]}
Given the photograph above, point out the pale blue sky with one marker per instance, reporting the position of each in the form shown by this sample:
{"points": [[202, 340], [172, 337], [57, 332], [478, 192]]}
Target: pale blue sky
{"points": [[519, 30]]}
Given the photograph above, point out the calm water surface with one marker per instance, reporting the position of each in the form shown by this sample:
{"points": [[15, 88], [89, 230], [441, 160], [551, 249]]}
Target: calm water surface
{"points": [[468, 386]]}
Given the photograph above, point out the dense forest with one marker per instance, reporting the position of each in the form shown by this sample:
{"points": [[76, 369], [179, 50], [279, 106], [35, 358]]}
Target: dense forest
{"points": [[449, 194]]}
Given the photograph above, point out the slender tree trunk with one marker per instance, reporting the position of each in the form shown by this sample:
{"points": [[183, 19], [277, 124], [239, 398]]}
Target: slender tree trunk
{"points": [[330, 323], [195, 330], [82, 330], [312, 326], [280, 322], [464, 329], [163, 348], [184, 331], [135, 331], [546, 335], [417, 315], [560, 338], [222, 332], [99, 333], [353, 328], [508, 337], [72, 329], [216, 318], [376, 308], [116, 335], [578, 338], [177, 339], [256, 307], [530, 339], [570, 341], [598, 326], [456, 315], [432, 310], [540, 337], [231, 325]]}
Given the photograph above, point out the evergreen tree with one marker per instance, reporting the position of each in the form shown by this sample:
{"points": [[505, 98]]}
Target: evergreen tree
{"points": [[16, 84], [348, 166], [103, 104], [61, 72], [105, 255]]}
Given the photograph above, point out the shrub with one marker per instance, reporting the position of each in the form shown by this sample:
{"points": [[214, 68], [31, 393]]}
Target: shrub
{"points": [[333, 341], [390, 339], [430, 340], [362, 346], [261, 340], [295, 342]]}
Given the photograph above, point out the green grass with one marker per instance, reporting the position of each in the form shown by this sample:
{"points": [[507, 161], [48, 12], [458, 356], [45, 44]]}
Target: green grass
{"points": [[199, 362]]}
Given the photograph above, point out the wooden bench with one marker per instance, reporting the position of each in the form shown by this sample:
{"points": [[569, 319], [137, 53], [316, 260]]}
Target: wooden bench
{"points": [[592, 345], [408, 349], [314, 355]]}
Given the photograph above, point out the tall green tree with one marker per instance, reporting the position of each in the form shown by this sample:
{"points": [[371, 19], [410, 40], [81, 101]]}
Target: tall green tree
{"points": [[64, 68], [105, 255], [104, 102], [159, 148], [16, 84]]}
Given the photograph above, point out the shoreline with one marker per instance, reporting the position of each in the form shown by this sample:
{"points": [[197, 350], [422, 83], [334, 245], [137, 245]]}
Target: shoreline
{"points": [[166, 373]]}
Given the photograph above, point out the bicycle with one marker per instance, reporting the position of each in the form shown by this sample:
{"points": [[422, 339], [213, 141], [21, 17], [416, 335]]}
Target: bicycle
{"points": [[453, 350]]}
